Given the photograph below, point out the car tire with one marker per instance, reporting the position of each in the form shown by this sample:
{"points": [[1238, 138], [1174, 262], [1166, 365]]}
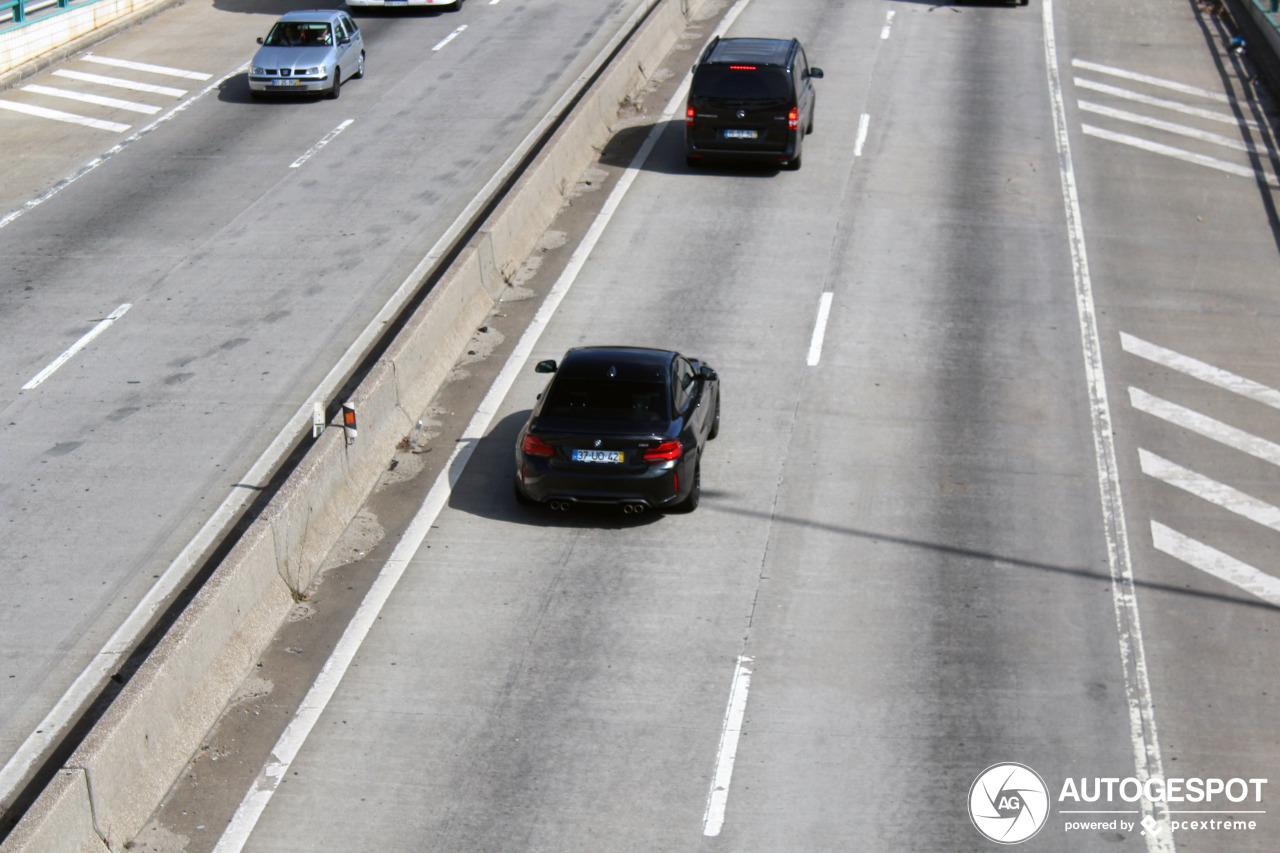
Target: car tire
{"points": [[715, 421], [690, 503], [337, 84], [359, 75], [808, 129]]}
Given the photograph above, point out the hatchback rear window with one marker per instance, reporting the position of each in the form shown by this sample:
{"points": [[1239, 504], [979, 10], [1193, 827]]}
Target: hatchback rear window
{"points": [[724, 83], [607, 399]]}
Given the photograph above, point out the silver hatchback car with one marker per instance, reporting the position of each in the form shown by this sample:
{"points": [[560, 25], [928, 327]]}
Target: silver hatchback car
{"points": [[308, 51]]}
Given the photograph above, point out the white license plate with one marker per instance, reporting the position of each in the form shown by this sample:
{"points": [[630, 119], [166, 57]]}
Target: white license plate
{"points": [[284, 82], [612, 457], [736, 133]]}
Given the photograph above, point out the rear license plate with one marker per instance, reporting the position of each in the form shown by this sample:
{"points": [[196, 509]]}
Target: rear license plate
{"points": [[738, 133], [610, 457]]}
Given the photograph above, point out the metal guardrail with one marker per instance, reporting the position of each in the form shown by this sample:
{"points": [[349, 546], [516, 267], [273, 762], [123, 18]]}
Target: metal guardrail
{"points": [[19, 13]]}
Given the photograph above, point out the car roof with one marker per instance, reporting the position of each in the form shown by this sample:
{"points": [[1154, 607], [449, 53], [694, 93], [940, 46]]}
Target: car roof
{"points": [[754, 50], [311, 15], [633, 363]]}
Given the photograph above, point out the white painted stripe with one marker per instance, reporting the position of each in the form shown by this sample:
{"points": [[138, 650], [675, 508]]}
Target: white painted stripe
{"points": [[1171, 127], [102, 326], [1180, 154], [68, 118], [1206, 426], [314, 149], [100, 100], [1218, 494], [1212, 561], [864, 124], [255, 801], [1174, 106], [888, 25], [453, 35], [726, 754], [1197, 369], [1143, 738], [143, 66], [1172, 85], [120, 83], [819, 329]]}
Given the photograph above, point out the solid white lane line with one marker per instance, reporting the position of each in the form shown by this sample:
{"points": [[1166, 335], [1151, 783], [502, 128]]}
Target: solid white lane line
{"points": [[1197, 369], [1172, 85], [77, 346], [1143, 737], [864, 124], [100, 100], [453, 35], [314, 149], [1218, 494], [255, 801], [1170, 127], [65, 117], [1174, 106], [1212, 561], [143, 66], [726, 754], [120, 83], [819, 329], [1180, 154], [888, 25], [1206, 426]]}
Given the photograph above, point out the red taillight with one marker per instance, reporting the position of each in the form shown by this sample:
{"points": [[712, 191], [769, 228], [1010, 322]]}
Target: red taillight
{"points": [[793, 118], [663, 452], [534, 446], [742, 68], [688, 116]]}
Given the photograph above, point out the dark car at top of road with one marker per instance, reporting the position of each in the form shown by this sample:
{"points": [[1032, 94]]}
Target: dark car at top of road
{"points": [[750, 98], [313, 50], [624, 426]]}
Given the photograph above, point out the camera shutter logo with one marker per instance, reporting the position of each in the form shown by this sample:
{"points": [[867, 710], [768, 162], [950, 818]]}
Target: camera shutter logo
{"points": [[1008, 803]]}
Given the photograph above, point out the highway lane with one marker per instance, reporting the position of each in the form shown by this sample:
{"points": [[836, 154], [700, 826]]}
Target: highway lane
{"points": [[904, 539], [245, 259], [904, 543]]}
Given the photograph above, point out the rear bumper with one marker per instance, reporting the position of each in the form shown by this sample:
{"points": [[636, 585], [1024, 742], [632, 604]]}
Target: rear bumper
{"points": [[658, 486], [713, 151]]}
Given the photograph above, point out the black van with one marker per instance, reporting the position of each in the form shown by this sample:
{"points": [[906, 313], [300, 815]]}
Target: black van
{"points": [[750, 98]]}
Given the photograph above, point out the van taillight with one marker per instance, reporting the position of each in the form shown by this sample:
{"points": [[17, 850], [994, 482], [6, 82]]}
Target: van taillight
{"points": [[793, 118], [535, 446], [688, 116], [663, 452]]}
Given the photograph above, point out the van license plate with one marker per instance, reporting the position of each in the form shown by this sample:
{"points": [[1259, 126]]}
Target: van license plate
{"points": [[737, 133]]}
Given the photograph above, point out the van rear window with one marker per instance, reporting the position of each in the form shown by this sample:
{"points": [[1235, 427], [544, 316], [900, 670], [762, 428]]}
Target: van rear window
{"points": [[723, 83]]}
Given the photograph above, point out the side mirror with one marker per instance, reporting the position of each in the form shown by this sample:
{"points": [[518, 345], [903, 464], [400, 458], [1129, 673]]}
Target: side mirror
{"points": [[548, 366], [344, 40], [708, 374], [261, 40], [815, 72]]}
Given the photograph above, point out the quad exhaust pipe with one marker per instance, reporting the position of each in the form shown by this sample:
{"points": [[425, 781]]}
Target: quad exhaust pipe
{"points": [[633, 509], [558, 505]]}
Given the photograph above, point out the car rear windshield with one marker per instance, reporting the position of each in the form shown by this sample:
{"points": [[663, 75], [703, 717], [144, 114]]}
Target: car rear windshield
{"points": [[724, 83], [607, 399]]}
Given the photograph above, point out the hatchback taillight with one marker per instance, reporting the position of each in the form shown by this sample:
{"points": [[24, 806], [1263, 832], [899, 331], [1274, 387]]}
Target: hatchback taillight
{"points": [[688, 116], [663, 452], [793, 118], [534, 446]]}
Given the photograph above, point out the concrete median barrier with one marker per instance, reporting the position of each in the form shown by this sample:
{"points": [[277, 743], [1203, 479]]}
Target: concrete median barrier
{"points": [[117, 776]]}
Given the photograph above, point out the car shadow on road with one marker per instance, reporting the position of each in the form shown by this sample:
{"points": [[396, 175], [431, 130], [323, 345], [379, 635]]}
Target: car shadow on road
{"points": [[667, 156], [484, 488]]}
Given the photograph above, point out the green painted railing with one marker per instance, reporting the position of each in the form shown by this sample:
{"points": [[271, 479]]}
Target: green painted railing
{"points": [[19, 13]]}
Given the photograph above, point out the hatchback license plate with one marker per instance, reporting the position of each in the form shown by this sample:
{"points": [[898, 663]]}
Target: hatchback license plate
{"points": [[613, 457], [738, 133], [290, 82]]}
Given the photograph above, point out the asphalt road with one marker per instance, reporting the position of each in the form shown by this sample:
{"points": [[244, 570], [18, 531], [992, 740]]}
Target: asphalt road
{"points": [[241, 248], [1018, 506]]}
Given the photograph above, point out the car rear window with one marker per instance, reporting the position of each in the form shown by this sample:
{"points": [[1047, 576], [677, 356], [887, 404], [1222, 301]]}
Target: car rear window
{"points": [[607, 399], [724, 83]]}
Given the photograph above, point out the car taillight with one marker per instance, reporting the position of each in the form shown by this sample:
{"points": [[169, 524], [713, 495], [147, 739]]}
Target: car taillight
{"points": [[688, 116], [793, 118], [535, 446], [663, 452]]}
